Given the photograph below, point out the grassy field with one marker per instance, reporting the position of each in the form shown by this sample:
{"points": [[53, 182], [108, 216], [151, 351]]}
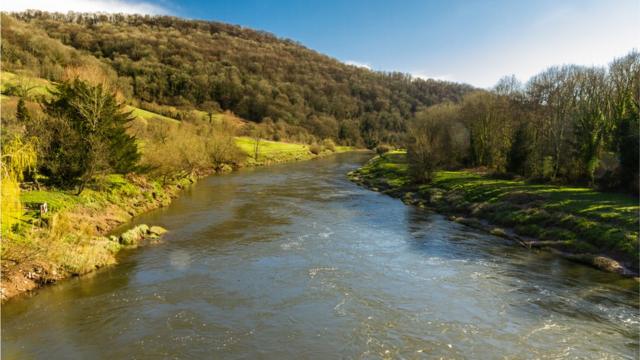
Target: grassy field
{"points": [[38, 86], [273, 152], [148, 115], [573, 219]]}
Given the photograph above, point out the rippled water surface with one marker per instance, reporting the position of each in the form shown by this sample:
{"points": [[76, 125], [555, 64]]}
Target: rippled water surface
{"points": [[294, 261]]}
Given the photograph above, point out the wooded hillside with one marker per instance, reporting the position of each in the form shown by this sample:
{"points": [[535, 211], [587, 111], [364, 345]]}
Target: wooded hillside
{"points": [[212, 66]]}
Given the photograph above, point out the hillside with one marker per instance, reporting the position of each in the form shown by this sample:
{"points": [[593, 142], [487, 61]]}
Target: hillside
{"points": [[211, 66]]}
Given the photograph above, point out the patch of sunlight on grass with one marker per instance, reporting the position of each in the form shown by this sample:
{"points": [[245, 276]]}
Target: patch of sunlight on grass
{"points": [[56, 200], [148, 115], [39, 85], [272, 151]]}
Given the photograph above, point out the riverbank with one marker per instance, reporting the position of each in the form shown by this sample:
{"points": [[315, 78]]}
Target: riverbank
{"points": [[74, 237], [599, 229]]}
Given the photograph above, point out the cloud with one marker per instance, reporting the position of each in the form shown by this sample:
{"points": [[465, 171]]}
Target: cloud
{"points": [[424, 76], [358, 64], [109, 6]]}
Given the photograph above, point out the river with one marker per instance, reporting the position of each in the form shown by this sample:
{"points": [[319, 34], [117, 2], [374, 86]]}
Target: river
{"points": [[294, 261]]}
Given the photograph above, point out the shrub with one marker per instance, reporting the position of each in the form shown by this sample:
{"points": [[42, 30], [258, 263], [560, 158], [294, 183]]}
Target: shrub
{"points": [[176, 151], [315, 149], [382, 149], [329, 145]]}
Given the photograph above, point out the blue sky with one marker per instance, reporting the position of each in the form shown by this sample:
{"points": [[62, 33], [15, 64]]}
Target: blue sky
{"points": [[467, 41]]}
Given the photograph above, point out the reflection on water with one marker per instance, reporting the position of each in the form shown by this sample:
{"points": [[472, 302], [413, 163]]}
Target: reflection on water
{"points": [[294, 261]]}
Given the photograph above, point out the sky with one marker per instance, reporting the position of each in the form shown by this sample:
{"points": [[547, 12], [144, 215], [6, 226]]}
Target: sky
{"points": [[476, 42]]}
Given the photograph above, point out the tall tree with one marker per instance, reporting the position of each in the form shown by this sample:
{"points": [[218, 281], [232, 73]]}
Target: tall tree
{"points": [[624, 78], [95, 125]]}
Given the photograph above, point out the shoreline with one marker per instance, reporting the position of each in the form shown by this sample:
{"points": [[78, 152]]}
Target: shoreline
{"points": [[20, 278], [446, 202]]}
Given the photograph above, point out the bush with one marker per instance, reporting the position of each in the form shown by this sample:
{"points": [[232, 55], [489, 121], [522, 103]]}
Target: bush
{"points": [[329, 145], [180, 150], [315, 149], [383, 149]]}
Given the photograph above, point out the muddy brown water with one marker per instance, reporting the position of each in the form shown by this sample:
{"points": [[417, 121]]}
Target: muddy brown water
{"points": [[294, 261]]}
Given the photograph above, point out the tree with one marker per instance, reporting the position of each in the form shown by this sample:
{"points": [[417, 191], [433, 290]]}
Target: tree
{"points": [[257, 133], [592, 125], [435, 140], [22, 114], [553, 91], [487, 117], [624, 80], [90, 136], [18, 157], [211, 107]]}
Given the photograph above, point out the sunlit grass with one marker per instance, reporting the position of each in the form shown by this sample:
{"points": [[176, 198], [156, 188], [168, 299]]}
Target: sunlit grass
{"points": [[148, 115], [585, 219], [37, 86], [272, 151]]}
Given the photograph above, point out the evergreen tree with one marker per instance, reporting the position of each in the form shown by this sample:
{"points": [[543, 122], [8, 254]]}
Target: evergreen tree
{"points": [[90, 137], [22, 114]]}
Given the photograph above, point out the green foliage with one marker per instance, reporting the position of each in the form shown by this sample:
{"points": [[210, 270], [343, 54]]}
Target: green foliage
{"points": [[272, 152], [18, 157], [87, 134], [391, 168], [520, 151], [22, 114]]}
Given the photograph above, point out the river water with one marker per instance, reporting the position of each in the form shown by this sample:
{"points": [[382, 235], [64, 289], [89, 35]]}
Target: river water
{"points": [[294, 261]]}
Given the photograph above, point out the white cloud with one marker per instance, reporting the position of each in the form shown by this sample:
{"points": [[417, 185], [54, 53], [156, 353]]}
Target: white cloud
{"points": [[358, 64], [109, 6], [424, 76]]}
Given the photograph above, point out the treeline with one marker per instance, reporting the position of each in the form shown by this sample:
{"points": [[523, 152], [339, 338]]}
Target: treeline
{"points": [[569, 124], [189, 64]]}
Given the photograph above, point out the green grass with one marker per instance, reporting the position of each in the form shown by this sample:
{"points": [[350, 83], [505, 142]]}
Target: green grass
{"points": [[38, 86], [598, 206], [392, 167], [56, 200], [580, 219], [114, 189], [148, 115], [271, 152]]}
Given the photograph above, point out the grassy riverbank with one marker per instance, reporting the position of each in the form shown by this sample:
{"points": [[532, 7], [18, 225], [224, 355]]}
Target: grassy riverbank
{"points": [[579, 223], [71, 239]]}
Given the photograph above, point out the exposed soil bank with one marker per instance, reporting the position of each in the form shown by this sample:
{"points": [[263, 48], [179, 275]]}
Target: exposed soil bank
{"points": [[601, 233]]}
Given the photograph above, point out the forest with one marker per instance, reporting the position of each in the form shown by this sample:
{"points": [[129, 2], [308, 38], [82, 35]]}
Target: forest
{"points": [[568, 124], [170, 66]]}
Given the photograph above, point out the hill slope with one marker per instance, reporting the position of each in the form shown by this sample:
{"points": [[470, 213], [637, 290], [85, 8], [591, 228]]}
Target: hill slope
{"points": [[213, 66]]}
